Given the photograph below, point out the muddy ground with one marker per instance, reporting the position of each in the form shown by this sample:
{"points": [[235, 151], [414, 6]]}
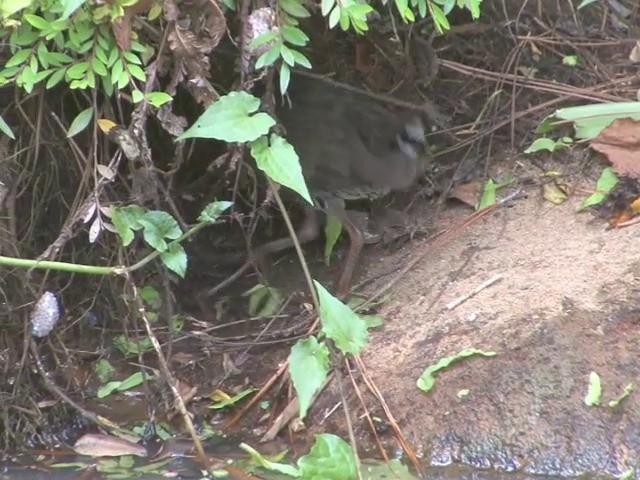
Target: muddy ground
{"points": [[566, 305]]}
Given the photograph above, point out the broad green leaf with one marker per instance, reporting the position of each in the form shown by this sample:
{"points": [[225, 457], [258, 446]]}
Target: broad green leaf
{"points": [[281, 163], [295, 36], [132, 381], [18, 58], [157, 99], [126, 220], [326, 6], [6, 129], [71, 6], [212, 211], [231, 119], [175, 259], [80, 122], [334, 16], [301, 59], [158, 226], [38, 22], [263, 39], [287, 55], [428, 378], [594, 391], [308, 367], [9, 7], [137, 72], [137, 96], [590, 120], [330, 458], [606, 183], [78, 70], [340, 323], [268, 57], [132, 58], [295, 8], [99, 67], [332, 231], [116, 70]]}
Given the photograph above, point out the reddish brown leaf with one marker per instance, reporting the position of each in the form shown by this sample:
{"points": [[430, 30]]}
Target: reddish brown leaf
{"points": [[620, 143], [468, 193]]}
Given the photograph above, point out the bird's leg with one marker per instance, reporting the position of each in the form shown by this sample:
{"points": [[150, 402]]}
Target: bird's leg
{"points": [[308, 231], [356, 242]]}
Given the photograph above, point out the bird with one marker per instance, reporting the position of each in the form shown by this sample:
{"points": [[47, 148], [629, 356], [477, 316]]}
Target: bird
{"points": [[351, 147]]}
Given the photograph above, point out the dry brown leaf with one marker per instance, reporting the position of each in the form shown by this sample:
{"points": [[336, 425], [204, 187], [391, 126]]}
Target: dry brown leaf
{"points": [[468, 193], [97, 445], [365, 58], [620, 143], [196, 27]]}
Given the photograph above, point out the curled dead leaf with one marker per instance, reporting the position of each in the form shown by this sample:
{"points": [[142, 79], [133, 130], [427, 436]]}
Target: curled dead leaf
{"points": [[620, 143]]}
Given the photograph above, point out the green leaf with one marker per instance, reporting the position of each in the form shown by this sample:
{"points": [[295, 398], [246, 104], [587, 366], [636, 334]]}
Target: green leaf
{"points": [[428, 378], [263, 39], [301, 59], [294, 8], [38, 22], [123, 80], [285, 78], [104, 370], [230, 119], [116, 70], [439, 18], [80, 122], [18, 58], [606, 183], [268, 57], [340, 323], [287, 56], [175, 259], [232, 400], [584, 3], [628, 390], [594, 391], [6, 129], [157, 99], [9, 7], [308, 367], [137, 96], [326, 6], [126, 220], [158, 226], [261, 461], [78, 70], [281, 163], [334, 16], [330, 458], [71, 6], [212, 211], [132, 58], [99, 67], [295, 36], [136, 72], [332, 231], [132, 381]]}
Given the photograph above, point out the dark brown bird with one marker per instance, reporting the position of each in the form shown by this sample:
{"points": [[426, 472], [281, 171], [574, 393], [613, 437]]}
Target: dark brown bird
{"points": [[350, 148]]}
